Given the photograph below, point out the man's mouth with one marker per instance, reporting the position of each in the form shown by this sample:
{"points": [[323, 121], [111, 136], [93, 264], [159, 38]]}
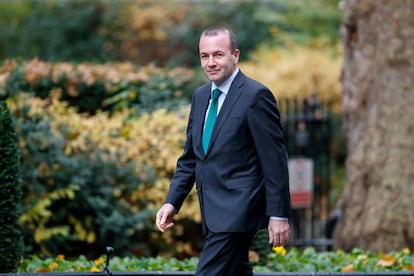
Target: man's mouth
{"points": [[213, 72]]}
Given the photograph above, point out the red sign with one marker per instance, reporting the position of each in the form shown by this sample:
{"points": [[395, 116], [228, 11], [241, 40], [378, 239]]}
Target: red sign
{"points": [[301, 182]]}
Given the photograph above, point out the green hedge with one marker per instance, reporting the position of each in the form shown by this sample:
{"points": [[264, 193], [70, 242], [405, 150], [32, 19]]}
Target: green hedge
{"points": [[11, 247]]}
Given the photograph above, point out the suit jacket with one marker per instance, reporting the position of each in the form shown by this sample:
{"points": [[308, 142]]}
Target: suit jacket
{"points": [[243, 178]]}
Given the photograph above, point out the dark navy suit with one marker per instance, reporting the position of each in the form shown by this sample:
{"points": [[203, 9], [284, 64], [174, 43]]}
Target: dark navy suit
{"points": [[242, 179]]}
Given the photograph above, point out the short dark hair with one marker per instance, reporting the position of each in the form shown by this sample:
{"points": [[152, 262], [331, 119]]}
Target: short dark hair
{"points": [[212, 31]]}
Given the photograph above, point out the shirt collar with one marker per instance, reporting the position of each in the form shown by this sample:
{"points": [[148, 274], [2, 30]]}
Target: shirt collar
{"points": [[225, 86]]}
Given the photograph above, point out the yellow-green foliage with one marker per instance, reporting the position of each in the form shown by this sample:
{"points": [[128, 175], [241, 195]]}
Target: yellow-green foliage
{"points": [[155, 139], [297, 72], [38, 215]]}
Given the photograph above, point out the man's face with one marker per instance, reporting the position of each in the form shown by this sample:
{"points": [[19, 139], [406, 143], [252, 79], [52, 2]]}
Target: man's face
{"points": [[217, 59]]}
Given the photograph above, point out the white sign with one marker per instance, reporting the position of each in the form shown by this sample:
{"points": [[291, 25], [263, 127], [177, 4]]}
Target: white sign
{"points": [[301, 182]]}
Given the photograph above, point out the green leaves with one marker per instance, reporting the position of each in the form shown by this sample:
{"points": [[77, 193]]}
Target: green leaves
{"points": [[294, 260], [309, 260]]}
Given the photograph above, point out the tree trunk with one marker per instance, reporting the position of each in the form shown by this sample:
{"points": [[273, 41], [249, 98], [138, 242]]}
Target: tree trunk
{"points": [[378, 108]]}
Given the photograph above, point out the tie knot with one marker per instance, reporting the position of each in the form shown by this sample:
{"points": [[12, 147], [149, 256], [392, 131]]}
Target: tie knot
{"points": [[216, 94]]}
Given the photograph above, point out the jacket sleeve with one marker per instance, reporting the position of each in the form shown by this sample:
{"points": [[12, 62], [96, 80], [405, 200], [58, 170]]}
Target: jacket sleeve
{"points": [[184, 176], [266, 130]]}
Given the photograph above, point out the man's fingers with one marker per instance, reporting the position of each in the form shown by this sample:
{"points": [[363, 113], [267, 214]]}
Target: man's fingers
{"points": [[164, 217], [279, 240], [160, 221], [278, 232], [168, 225]]}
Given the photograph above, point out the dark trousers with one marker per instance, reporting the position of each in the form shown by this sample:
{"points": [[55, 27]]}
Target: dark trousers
{"points": [[225, 254]]}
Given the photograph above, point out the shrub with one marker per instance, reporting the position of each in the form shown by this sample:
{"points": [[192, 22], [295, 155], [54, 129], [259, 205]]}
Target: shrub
{"points": [[110, 169], [109, 173], [93, 87], [74, 193], [11, 246]]}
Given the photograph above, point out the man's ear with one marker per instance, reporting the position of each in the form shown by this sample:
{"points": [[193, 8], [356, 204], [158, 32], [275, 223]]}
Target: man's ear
{"points": [[236, 55]]}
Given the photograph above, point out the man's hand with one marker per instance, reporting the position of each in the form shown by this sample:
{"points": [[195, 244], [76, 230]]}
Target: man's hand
{"points": [[279, 231], [164, 219]]}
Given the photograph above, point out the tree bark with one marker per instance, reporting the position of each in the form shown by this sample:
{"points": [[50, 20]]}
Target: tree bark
{"points": [[378, 109]]}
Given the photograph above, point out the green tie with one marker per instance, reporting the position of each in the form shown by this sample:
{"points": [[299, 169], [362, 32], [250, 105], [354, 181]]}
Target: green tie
{"points": [[211, 119]]}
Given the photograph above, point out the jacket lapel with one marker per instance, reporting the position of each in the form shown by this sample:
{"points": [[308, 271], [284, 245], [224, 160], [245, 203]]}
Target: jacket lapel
{"points": [[231, 98]]}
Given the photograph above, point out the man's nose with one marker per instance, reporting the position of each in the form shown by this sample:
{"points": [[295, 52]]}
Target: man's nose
{"points": [[211, 61]]}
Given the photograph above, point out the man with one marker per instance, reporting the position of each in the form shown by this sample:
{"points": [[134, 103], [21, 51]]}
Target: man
{"points": [[237, 160]]}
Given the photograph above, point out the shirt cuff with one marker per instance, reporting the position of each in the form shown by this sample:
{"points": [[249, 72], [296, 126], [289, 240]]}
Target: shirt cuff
{"points": [[278, 218]]}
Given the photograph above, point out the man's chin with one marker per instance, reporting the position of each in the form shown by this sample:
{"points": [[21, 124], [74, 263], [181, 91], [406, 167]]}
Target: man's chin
{"points": [[214, 78]]}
